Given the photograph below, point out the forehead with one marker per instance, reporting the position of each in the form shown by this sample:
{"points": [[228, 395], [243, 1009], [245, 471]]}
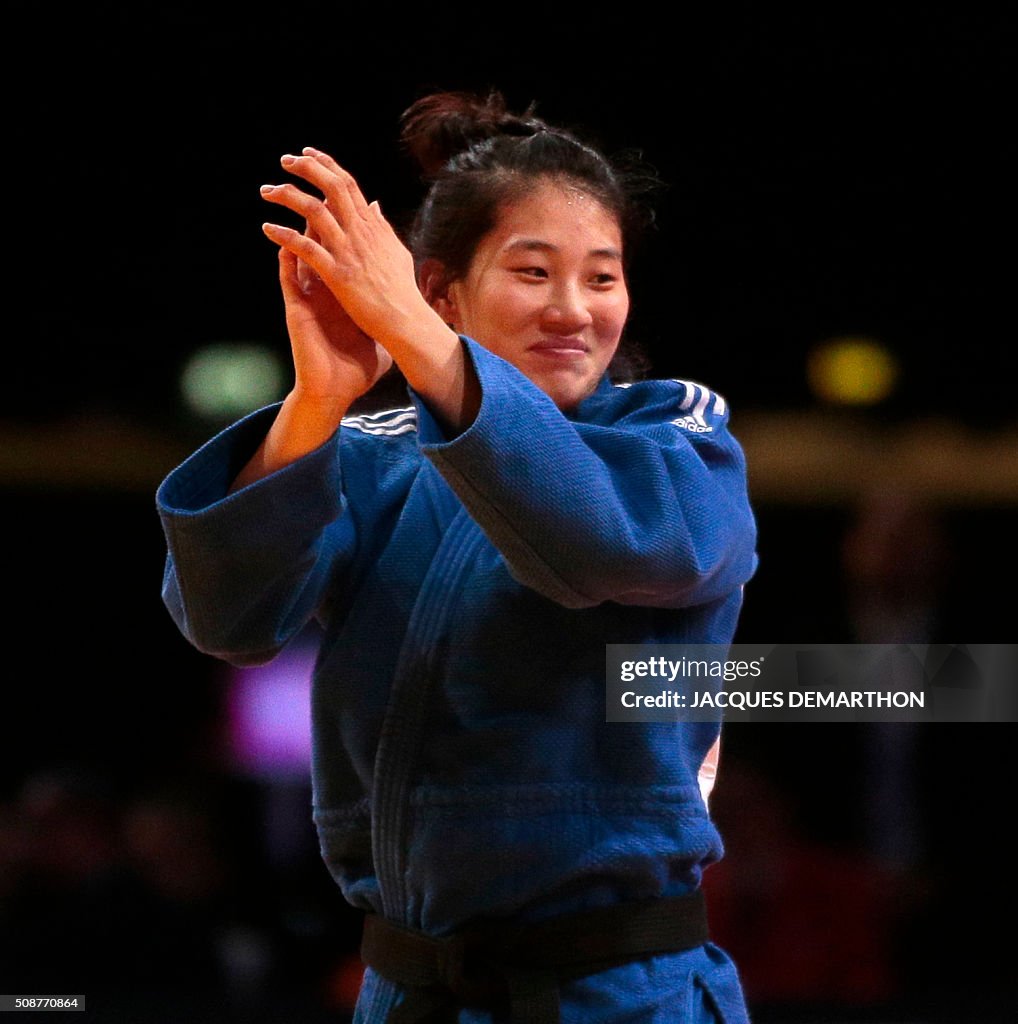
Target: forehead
{"points": [[560, 214]]}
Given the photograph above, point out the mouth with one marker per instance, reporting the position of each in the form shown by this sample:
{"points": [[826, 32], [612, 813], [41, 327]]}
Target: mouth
{"points": [[568, 347]]}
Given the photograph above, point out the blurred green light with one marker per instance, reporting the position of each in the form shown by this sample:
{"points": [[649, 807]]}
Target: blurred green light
{"points": [[231, 379]]}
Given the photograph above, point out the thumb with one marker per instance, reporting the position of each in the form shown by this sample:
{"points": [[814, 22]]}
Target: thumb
{"points": [[289, 277]]}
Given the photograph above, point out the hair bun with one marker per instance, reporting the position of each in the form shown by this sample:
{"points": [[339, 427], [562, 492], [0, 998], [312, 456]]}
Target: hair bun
{"points": [[439, 126]]}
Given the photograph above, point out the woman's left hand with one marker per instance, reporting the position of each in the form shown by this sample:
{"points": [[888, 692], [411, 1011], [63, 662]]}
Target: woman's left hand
{"points": [[361, 260], [351, 247]]}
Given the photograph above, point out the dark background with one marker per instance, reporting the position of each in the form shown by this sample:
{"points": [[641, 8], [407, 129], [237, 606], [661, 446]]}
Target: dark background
{"points": [[827, 172]]}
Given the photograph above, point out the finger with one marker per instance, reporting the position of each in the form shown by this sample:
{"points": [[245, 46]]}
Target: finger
{"points": [[288, 279], [292, 198], [315, 212], [337, 184], [307, 278], [307, 251], [360, 204]]}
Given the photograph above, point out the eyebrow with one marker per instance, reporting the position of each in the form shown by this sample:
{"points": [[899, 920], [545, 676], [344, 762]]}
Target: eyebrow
{"points": [[537, 245]]}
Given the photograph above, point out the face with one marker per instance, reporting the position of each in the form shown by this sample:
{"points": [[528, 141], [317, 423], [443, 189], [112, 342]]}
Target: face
{"points": [[546, 291]]}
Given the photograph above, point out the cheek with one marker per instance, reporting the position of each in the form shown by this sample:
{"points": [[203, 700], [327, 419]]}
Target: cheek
{"points": [[612, 319], [506, 307]]}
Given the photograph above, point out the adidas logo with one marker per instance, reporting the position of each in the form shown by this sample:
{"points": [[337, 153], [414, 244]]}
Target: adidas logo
{"points": [[688, 423]]}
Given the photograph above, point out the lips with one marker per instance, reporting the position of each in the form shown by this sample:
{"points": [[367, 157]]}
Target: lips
{"points": [[564, 345]]}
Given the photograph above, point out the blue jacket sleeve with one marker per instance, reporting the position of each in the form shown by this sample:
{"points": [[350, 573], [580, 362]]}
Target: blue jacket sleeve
{"points": [[245, 571], [639, 498]]}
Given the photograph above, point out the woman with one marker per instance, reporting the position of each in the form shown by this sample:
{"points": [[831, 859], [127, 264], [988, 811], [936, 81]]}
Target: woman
{"points": [[468, 557]]}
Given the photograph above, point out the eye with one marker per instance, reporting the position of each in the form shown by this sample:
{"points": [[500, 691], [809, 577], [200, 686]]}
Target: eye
{"points": [[604, 280], [533, 272]]}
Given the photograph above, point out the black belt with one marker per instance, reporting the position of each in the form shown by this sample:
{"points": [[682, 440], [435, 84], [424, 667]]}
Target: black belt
{"points": [[490, 963]]}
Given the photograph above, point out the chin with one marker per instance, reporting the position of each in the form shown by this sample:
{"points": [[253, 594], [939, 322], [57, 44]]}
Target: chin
{"points": [[566, 389], [567, 397]]}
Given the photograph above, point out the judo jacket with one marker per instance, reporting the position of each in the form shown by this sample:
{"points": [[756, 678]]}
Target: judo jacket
{"points": [[465, 588]]}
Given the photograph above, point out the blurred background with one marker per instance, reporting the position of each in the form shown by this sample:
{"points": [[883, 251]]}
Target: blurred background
{"points": [[832, 253]]}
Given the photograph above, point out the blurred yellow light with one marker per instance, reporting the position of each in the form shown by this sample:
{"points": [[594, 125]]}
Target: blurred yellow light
{"points": [[231, 379], [852, 371]]}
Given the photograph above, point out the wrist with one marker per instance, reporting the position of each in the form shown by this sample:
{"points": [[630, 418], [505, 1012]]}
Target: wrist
{"points": [[304, 422], [312, 406], [425, 349]]}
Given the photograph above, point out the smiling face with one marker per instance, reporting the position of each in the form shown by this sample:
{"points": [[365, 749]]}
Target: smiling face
{"points": [[545, 290]]}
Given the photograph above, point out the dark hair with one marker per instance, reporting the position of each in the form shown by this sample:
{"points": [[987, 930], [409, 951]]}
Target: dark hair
{"points": [[476, 155]]}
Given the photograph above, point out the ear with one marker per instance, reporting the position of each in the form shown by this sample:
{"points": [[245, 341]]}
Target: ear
{"points": [[437, 291]]}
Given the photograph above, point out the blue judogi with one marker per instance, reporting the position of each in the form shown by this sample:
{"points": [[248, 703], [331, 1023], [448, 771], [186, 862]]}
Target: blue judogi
{"points": [[466, 589]]}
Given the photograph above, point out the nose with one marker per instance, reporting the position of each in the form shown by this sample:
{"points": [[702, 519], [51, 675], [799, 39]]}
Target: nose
{"points": [[567, 311]]}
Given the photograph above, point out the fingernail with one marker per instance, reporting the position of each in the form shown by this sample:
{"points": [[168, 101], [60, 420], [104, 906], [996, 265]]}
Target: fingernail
{"points": [[267, 188], [287, 160], [311, 151]]}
